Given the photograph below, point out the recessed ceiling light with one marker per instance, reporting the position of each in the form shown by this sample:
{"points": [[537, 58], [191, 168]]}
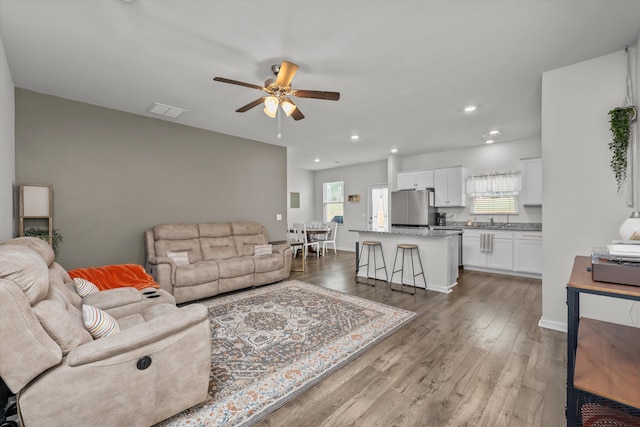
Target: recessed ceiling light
{"points": [[394, 150], [316, 160], [355, 137], [494, 132], [470, 108], [489, 141]]}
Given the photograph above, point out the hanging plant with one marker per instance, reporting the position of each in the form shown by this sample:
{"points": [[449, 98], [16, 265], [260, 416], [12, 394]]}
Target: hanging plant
{"points": [[620, 121], [56, 237]]}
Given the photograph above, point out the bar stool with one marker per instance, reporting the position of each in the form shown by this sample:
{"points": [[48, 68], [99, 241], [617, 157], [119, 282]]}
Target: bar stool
{"points": [[407, 247], [369, 244]]}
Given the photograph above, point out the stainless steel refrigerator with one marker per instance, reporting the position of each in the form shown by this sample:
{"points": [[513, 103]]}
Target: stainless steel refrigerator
{"points": [[413, 208]]}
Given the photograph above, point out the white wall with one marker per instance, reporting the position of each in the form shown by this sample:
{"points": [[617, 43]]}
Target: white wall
{"points": [[495, 157], [582, 208], [7, 148], [300, 181], [356, 180]]}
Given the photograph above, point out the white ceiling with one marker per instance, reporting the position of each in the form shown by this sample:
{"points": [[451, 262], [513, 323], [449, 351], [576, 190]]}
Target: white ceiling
{"points": [[405, 69]]}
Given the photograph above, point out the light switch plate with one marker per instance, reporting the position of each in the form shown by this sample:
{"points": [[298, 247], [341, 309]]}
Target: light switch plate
{"points": [[278, 217]]}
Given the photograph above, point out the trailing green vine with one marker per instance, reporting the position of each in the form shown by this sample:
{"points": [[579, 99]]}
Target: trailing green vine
{"points": [[620, 121], [56, 237]]}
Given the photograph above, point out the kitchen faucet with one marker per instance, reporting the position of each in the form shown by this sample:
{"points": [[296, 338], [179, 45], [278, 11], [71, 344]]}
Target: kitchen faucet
{"points": [[490, 220]]}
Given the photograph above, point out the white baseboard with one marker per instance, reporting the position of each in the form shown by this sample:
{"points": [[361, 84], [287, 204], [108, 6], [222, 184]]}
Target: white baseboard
{"points": [[551, 324], [504, 272]]}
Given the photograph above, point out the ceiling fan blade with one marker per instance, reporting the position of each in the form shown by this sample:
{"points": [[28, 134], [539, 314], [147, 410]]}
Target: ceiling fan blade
{"points": [[286, 73], [251, 105], [316, 94], [297, 114], [235, 82]]}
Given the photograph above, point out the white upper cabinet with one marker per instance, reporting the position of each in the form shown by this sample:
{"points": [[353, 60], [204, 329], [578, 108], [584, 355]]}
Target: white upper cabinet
{"points": [[449, 184], [531, 182], [415, 180]]}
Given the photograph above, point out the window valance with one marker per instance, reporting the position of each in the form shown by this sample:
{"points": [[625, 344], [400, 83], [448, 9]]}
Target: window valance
{"points": [[494, 183]]}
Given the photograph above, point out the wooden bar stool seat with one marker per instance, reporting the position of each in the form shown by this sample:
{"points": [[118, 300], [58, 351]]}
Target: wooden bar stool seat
{"points": [[372, 246], [411, 248]]}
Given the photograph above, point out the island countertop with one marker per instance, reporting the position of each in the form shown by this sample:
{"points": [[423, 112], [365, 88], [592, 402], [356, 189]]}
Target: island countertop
{"points": [[438, 250], [409, 231]]}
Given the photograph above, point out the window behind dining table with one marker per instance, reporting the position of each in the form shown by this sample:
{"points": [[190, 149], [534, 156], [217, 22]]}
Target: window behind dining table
{"points": [[333, 201]]}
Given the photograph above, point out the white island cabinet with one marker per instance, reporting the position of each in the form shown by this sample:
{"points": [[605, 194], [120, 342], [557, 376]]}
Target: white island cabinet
{"points": [[438, 252]]}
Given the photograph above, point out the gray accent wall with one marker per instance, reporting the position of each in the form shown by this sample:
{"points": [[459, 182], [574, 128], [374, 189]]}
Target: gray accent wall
{"points": [[116, 174]]}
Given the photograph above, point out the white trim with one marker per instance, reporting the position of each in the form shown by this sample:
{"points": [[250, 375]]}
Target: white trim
{"points": [[552, 324], [504, 272]]}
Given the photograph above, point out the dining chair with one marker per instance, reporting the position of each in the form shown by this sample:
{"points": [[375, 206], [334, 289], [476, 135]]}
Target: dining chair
{"points": [[315, 224], [307, 243], [330, 237], [296, 242]]}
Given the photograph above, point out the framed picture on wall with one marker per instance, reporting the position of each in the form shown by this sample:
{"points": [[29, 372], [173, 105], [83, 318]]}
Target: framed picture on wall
{"points": [[353, 198]]}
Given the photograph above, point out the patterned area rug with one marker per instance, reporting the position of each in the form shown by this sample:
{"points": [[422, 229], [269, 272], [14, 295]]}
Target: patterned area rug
{"points": [[272, 343]]}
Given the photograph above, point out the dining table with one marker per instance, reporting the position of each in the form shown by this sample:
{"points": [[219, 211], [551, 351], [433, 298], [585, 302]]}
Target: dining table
{"points": [[313, 233]]}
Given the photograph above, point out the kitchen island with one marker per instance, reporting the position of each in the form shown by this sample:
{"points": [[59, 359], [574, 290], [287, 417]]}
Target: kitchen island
{"points": [[438, 251]]}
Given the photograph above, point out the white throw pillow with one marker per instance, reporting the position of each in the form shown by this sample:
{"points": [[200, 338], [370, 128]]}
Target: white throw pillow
{"points": [[262, 250], [84, 287], [98, 322], [179, 258]]}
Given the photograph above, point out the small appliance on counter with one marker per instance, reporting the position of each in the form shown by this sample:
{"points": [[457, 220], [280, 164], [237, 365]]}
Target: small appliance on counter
{"points": [[441, 219]]}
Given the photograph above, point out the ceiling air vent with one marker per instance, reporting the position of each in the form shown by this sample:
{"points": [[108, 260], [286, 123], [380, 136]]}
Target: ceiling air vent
{"points": [[166, 110]]}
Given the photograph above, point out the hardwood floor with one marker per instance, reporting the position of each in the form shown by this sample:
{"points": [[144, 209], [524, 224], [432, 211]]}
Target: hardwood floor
{"points": [[474, 357]]}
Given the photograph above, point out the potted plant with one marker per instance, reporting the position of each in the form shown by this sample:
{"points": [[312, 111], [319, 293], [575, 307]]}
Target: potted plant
{"points": [[56, 237], [620, 120]]}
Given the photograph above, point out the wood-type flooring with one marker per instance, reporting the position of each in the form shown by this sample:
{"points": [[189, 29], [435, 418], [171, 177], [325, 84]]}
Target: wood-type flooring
{"points": [[474, 357]]}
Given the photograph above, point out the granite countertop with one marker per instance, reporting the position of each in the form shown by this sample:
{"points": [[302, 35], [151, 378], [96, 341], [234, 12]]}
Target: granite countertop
{"points": [[410, 231], [512, 226]]}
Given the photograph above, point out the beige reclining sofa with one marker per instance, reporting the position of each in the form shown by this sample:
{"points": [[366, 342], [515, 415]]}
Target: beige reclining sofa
{"points": [[157, 364], [194, 261]]}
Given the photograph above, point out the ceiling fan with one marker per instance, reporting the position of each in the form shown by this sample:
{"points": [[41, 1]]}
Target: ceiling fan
{"points": [[279, 90]]}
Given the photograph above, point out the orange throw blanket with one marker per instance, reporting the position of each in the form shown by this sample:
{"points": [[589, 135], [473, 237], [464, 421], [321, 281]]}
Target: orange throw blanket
{"points": [[116, 276]]}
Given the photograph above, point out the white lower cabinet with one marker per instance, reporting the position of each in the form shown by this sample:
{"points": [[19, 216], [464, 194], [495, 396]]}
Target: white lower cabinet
{"points": [[527, 251], [471, 255], [513, 251], [500, 258]]}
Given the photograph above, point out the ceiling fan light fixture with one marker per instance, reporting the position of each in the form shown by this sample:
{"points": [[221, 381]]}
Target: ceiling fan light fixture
{"points": [[271, 106], [287, 106], [269, 113]]}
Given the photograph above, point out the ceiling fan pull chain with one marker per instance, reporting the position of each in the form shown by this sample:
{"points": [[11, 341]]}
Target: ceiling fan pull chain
{"points": [[279, 117]]}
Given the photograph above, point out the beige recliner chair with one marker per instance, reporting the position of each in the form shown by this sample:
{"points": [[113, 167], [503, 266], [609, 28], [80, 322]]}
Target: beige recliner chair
{"points": [[157, 365]]}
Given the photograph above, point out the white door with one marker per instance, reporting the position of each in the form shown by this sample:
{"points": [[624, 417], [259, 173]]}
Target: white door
{"points": [[378, 206]]}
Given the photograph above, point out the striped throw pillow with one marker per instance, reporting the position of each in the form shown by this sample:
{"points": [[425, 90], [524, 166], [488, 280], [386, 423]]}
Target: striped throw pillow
{"points": [[98, 322], [84, 287], [262, 250]]}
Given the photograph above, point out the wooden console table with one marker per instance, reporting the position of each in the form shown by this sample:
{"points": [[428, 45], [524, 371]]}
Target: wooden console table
{"points": [[603, 359]]}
